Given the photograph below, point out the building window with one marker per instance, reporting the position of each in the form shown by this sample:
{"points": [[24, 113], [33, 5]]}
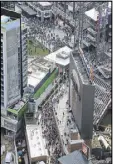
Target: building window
{"points": [[2, 93], [2, 103], [2, 88], [1, 59], [1, 36], [2, 99], [2, 72], [1, 76], [1, 44]]}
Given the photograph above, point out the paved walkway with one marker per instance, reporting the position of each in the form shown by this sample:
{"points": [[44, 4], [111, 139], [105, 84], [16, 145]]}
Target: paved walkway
{"points": [[62, 117]]}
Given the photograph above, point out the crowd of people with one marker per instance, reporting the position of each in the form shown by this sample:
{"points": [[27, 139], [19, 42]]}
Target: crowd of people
{"points": [[49, 127], [50, 132], [52, 34]]}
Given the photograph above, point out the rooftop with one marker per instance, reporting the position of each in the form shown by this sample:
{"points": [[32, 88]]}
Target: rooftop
{"points": [[4, 19], [35, 141], [80, 69], [37, 70], [93, 13], [9, 23], [60, 56], [70, 8], [35, 77], [109, 4], [74, 157], [45, 3], [95, 142], [17, 107], [27, 9]]}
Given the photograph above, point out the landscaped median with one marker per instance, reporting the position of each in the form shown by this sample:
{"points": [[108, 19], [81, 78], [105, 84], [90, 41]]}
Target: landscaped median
{"points": [[46, 84]]}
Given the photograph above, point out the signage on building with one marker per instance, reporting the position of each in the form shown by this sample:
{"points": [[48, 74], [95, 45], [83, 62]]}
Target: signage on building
{"points": [[85, 150]]}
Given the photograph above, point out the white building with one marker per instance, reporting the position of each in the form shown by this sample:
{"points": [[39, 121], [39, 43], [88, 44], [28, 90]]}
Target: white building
{"points": [[43, 9], [60, 58], [93, 13], [10, 61], [36, 144], [39, 72]]}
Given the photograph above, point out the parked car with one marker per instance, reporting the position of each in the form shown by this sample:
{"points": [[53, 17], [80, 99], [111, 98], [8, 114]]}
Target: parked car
{"points": [[9, 158]]}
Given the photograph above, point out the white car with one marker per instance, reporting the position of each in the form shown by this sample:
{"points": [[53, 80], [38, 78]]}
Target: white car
{"points": [[9, 158]]}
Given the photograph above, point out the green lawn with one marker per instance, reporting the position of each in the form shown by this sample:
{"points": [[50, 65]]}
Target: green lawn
{"points": [[45, 85], [36, 49]]}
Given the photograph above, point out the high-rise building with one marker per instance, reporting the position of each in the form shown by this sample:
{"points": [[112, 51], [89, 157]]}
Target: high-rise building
{"points": [[13, 58], [10, 61], [13, 69], [81, 104]]}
